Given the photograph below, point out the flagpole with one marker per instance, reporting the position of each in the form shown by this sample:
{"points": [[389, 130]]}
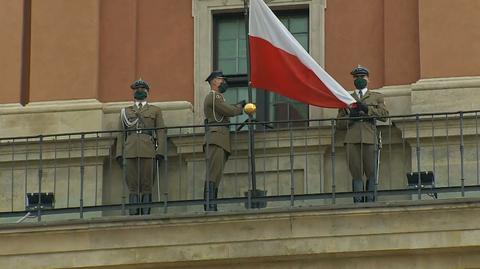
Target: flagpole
{"points": [[251, 145]]}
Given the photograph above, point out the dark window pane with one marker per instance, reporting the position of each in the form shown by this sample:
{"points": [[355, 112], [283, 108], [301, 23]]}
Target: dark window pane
{"points": [[227, 29], [242, 48], [229, 67], [227, 49], [241, 28], [302, 39], [242, 65], [284, 20], [298, 24]]}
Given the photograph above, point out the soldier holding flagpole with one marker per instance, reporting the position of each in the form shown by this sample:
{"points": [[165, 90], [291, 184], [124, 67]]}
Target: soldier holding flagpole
{"points": [[362, 138], [217, 136]]}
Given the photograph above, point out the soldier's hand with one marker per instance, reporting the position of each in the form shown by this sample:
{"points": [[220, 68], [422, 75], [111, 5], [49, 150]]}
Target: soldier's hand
{"points": [[119, 160], [362, 107], [159, 157], [242, 103], [354, 111]]}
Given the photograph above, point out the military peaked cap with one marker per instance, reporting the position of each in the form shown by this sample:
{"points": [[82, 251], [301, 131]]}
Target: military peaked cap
{"points": [[215, 74], [359, 71], [140, 83]]}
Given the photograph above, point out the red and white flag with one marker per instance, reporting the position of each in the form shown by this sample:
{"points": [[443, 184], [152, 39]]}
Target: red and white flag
{"points": [[278, 63]]}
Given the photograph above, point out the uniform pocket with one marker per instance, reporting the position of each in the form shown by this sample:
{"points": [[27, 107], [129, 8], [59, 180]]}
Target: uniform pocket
{"points": [[149, 114], [131, 116]]}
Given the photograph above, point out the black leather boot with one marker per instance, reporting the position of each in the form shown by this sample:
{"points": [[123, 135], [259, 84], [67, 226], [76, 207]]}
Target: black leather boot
{"points": [[146, 199], [133, 199], [209, 191], [215, 197], [371, 188], [357, 186]]}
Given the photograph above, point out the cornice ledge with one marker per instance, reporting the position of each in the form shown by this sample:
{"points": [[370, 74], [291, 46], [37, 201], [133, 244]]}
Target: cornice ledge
{"points": [[51, 106], [114, 107], [446, 83], [395, 90]]}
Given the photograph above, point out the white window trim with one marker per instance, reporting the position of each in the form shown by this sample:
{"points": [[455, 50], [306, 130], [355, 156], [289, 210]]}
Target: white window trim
{"points": [[203, 40]]}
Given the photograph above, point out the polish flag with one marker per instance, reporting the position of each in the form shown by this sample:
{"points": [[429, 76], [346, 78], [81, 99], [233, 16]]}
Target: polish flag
{"points": [[278, 63]]}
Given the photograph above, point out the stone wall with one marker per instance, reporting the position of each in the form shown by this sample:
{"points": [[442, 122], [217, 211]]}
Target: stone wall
{"points": [[413, 235], [183, 174]]}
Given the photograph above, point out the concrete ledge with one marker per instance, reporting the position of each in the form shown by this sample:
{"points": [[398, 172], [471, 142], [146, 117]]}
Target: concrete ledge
{"points": [[51, 106], [51, 118], [446, 83], [261, 236], [445, 95], [397, 99], [68, 116], [174, 105], [176, 113]]}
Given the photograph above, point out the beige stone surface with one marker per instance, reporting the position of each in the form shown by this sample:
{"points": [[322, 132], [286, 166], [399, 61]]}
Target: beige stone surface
{"points": [[397, 99], [51, 117], [88, 115], [182, 176], [74, 177], [343, 236], [311, 234], [446, 95], [175, 114]]}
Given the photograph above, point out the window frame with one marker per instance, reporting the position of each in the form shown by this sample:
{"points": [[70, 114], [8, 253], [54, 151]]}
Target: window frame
{"points": [[241, 80], [203, 12]]}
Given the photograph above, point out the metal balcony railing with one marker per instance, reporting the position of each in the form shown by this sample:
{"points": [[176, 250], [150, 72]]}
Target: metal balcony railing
{"points": [[298, 163]]}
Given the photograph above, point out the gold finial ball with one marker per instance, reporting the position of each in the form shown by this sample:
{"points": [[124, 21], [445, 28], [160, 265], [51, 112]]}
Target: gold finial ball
{"points": [[250, 108]]}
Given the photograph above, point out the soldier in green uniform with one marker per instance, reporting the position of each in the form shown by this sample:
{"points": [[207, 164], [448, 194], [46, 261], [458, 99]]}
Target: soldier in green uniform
{"points": [[362, 137], [217, 138], [139, 149]]}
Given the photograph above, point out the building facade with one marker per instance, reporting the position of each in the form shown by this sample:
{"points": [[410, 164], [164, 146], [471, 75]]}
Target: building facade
{"points": [[67, 67]]}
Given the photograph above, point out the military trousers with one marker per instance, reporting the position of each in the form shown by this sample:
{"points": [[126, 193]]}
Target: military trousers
{"points": [[216, 159], [361, 159], [139, 173]]}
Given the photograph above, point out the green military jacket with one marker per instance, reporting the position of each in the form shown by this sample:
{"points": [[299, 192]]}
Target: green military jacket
{"points": [[144, 143], [363, 131], [216, 112]]}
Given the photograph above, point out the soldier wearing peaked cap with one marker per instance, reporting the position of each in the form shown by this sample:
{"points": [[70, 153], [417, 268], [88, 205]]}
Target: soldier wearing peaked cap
{"points": [[217, 137], [140, 144], [362, 138]]}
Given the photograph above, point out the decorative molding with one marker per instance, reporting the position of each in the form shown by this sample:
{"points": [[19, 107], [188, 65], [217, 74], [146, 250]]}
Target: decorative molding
{"points": [[83, 105], [114, 107], [51, 106], [88, 115], [445, 95], [446, 83], [393, 230], [278, 141], [395, 91]]}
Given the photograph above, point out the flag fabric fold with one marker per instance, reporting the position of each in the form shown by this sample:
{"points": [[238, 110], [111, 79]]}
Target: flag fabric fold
{"points": [[278, 63]]}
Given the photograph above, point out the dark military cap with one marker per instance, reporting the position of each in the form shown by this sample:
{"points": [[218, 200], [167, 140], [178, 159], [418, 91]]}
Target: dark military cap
{"points": [[215, 74], [359, 71], [140, 83]]}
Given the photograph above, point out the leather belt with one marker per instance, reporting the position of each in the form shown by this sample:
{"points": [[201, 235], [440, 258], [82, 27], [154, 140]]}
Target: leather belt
{"points": [[147, 132], [352, 121]]}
